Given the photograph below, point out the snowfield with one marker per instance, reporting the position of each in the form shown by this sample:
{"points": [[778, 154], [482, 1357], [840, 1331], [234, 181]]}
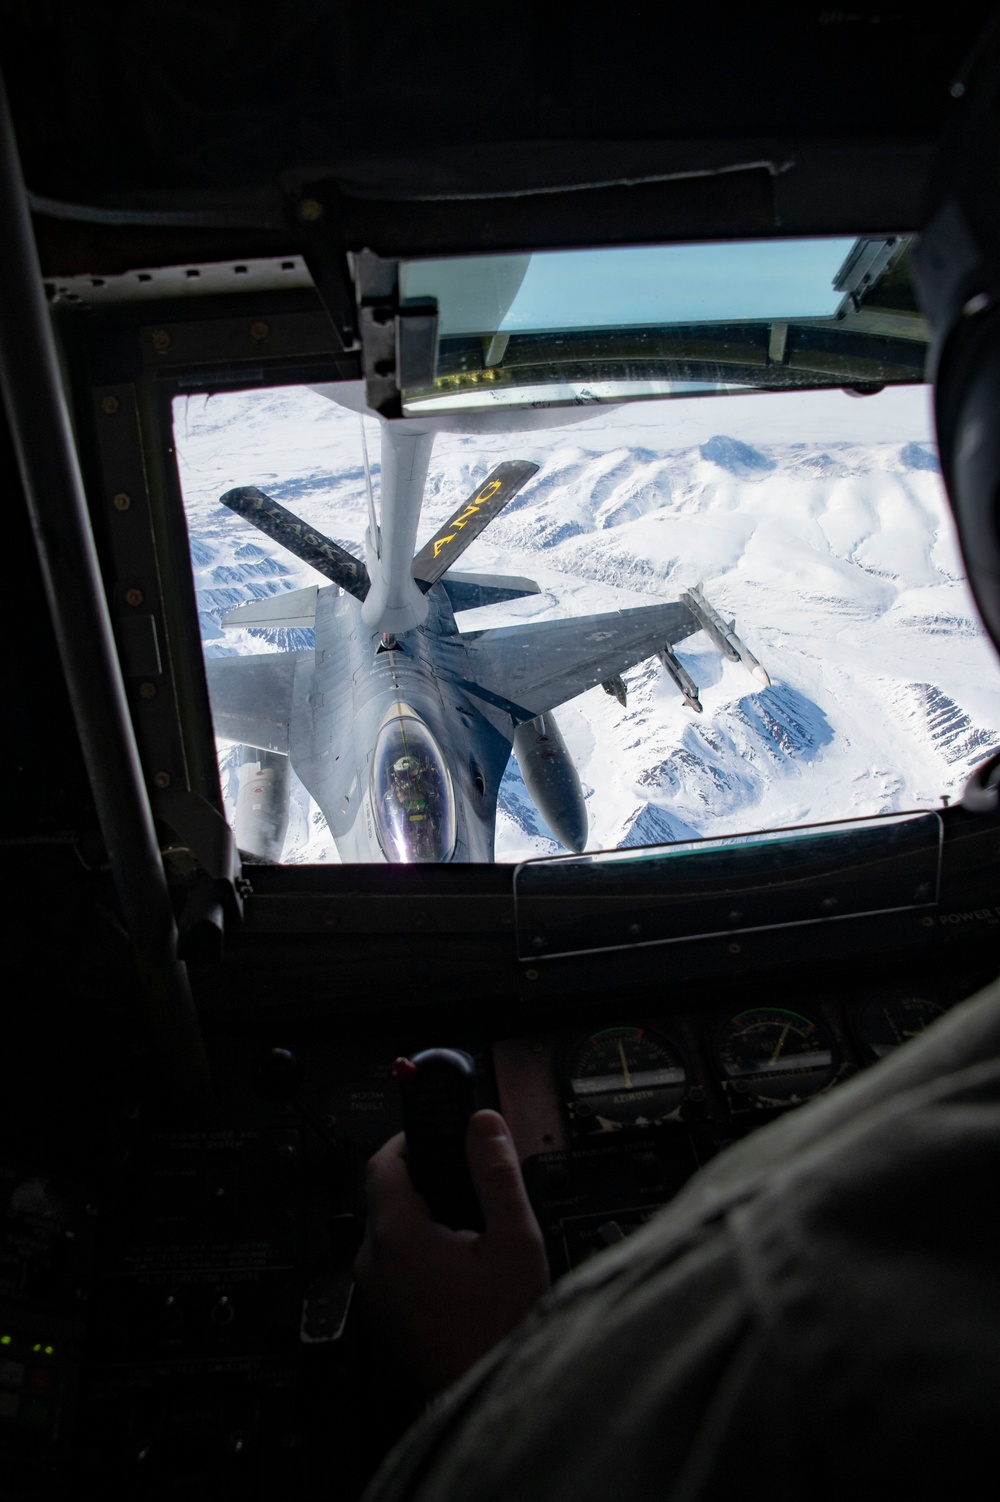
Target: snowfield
{"points": [[817, 520]]}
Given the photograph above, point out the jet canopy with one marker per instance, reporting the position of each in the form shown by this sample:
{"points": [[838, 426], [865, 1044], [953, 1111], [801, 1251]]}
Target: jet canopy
{"points": [[412, 794]]}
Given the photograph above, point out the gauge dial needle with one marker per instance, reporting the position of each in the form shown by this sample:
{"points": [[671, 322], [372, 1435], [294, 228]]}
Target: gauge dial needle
{"points": [[621, 1055], [780, 1043]]}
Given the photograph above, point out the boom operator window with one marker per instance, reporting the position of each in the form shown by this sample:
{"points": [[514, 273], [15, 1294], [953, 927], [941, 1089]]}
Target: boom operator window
{"points": [[693, 414]]}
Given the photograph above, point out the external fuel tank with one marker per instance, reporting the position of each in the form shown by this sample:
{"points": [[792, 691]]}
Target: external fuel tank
{"points": [[552, 780], [262, 803]]}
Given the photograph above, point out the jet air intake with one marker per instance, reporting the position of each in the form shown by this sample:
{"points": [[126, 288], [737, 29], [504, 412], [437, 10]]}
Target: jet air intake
{"points": [[413, 799]]}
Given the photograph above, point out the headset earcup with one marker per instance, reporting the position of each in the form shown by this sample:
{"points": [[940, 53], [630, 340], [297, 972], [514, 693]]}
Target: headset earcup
{"points": [[967, 402]]}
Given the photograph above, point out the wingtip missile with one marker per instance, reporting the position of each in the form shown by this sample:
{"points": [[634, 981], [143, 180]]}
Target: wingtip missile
{"points": [[723, 634]]}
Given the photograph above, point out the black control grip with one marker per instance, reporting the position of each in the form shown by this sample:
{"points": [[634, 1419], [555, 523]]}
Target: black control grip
{"points": [[438, 1093]]}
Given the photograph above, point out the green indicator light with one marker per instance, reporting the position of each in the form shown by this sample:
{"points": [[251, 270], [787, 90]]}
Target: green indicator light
{"points": [[49, 1350], [36, 1348], [4, 1340]]}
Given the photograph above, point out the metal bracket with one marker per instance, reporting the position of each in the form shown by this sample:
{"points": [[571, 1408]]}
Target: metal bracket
{"points": [[398, 338], [868, 261], [218, 888]]}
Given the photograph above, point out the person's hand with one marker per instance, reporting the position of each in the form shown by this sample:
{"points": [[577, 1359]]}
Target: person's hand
{"points": [[440, 1299]]}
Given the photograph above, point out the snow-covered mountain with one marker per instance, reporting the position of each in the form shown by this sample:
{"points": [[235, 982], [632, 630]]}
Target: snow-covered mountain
{"points": [[819, 522]]}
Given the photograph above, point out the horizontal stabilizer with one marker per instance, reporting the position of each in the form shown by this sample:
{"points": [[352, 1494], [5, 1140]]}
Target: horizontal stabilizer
{"points": [[450, 541], [296, 607], [470, 591], [251, 697], [545, 663], [321, 553]]}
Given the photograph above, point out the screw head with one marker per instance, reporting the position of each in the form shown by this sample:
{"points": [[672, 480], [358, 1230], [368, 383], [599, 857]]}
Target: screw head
{"points": [[122, 501], [259, 329], [147, 690], [734, 948], [531, 975], [110, 405], [161, 341], [161, 779], [133, 597], [310, 209]]}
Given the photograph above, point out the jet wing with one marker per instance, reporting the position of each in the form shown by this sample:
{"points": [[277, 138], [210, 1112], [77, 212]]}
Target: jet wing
{"points": [[540, 666], [252, 697]]}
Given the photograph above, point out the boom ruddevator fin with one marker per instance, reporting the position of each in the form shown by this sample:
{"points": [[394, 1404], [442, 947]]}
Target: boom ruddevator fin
{"points": [[321, 553], [450, 541]]}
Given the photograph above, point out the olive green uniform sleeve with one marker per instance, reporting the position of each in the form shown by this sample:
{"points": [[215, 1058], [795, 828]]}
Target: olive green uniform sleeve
{"points": [[816, 1315]]}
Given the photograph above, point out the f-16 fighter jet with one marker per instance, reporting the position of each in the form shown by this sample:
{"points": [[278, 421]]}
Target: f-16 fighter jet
{"points": [[398, 723]]}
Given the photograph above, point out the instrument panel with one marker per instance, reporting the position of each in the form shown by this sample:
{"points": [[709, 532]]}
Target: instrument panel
{"points": [[611, 1121]]}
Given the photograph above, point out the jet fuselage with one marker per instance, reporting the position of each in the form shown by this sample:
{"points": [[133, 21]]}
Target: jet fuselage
{"points": [[352, 690]]}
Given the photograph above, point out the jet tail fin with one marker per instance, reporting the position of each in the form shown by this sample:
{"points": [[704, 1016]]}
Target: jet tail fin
{"points": [[296, 607], [472, 517], [321, 553]]}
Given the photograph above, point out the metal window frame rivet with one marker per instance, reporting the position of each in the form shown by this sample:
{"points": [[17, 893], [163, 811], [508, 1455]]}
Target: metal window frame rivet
{"points": [[133, 597], [161, 341], [122, 501], [147, 690], [110, 405], [259, 329], [161, 779]]}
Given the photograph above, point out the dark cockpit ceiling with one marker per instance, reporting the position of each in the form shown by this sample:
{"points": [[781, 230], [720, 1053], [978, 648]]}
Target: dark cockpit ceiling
{"points": [[156, 133]]}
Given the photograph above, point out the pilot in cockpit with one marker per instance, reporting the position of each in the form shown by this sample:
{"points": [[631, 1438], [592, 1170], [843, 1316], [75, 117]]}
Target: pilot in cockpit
{"points": [[817, 1314], [414, 790]]}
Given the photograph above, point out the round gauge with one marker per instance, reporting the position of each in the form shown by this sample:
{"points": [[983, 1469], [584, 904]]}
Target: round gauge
{"points": [[773, 1053], [624, 1077], [885, 1025]]}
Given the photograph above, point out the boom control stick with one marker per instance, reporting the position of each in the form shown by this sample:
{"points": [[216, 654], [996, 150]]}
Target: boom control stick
{"points": [[437, 1089]]}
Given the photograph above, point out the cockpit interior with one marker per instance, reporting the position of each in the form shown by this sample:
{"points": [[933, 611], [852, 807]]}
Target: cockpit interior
{"points": [[230, 236]]}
